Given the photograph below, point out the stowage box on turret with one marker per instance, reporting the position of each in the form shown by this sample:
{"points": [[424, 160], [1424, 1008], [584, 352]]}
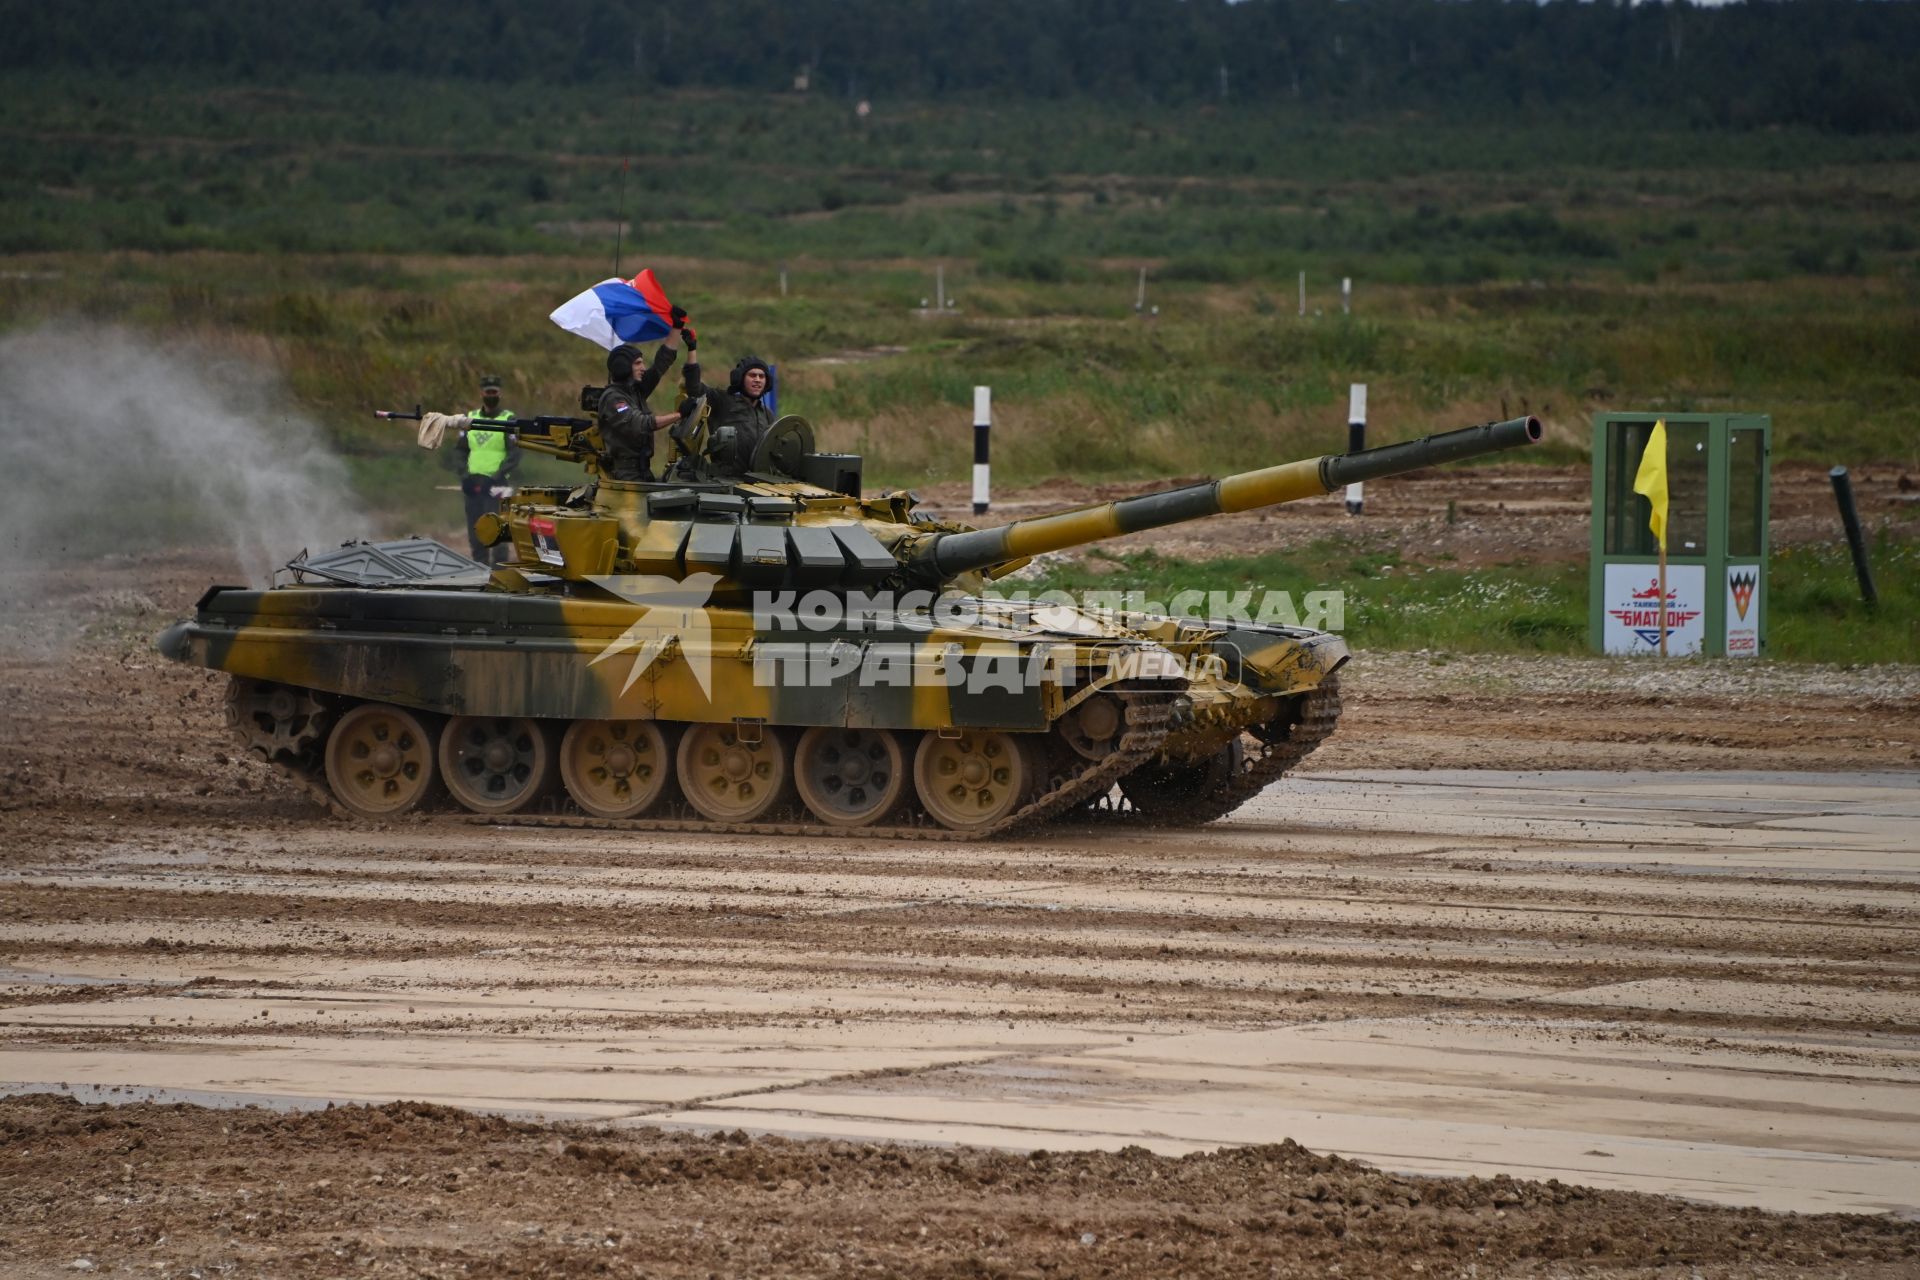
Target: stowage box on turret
{"points": [[774, 651]]}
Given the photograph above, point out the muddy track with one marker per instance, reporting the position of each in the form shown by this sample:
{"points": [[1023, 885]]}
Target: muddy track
{"points": [[417, 1190], [1700, 982]]}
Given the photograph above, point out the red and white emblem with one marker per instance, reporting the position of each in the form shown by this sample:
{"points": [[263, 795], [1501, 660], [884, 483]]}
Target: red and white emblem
{"points": [[546, 547]]}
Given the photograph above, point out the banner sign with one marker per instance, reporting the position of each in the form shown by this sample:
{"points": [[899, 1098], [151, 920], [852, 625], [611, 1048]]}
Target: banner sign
{"points": [[1743, 611], [1632, 609]]}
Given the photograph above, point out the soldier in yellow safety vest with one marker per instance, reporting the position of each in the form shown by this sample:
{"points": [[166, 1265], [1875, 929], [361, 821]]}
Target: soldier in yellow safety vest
{"points": [[485, 461]]}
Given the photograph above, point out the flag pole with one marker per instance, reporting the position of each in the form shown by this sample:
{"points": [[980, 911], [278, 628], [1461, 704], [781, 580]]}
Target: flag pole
{"points": [[1650, 481], [1663, 597]]}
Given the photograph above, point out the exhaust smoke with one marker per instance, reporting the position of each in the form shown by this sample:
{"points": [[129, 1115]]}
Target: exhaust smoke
{"points": [[117, 442]]}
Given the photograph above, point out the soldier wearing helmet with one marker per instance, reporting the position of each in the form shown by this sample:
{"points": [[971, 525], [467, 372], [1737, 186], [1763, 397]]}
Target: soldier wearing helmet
{"points": [[626, 422], [738, 417]]}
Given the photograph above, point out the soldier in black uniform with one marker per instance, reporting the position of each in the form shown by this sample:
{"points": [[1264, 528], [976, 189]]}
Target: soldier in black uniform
{"points": [[626, 423], [738, 418]]}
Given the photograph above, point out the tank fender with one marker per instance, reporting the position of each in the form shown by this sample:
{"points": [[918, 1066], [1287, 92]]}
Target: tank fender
{"points": [[1276, 660]]}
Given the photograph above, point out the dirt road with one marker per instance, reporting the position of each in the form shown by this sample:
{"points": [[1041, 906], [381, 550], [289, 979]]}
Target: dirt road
{"points": [[1693, 983], [1492, 514]]}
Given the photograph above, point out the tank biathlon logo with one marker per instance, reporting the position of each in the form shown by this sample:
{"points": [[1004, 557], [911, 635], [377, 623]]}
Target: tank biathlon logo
{"points": [[1642, 616], [1742, 585]]}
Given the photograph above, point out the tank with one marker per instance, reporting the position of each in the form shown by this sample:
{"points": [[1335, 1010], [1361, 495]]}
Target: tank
{"points": [[774, 652]]}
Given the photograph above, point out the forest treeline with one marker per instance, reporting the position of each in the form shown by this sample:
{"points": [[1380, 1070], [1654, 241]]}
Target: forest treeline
{"points": [[1840, 65]]}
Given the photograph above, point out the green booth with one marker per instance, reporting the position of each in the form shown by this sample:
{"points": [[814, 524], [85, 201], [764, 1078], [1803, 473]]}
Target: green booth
{"points": [[1717, 473]]}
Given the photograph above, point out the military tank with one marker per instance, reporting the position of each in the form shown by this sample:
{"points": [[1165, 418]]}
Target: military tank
{"points": [[774, 651]]}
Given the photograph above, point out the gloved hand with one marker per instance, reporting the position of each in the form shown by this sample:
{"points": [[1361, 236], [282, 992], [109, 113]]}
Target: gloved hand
{"points": [[500, 491], [434, 428], [688, 336], [677, 317]]}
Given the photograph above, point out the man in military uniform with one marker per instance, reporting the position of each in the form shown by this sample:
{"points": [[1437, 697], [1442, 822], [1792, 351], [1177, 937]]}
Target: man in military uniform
{"points": [[738, 418], [485, 461], [626, 423]]}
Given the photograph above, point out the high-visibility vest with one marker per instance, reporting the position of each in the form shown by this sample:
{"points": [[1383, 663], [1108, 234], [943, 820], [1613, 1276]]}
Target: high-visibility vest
{"points": [[486, 450]]}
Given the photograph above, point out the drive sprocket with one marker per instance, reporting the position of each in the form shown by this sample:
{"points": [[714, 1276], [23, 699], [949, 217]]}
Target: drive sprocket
{"points": [[277, 722]]}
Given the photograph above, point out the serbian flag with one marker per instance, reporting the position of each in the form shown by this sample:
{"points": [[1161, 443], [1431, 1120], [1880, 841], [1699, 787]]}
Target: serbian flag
{"points": [[617, 311]]}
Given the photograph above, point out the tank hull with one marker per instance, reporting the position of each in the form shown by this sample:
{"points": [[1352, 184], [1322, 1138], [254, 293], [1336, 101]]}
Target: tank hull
{"points": [[465, 654]]}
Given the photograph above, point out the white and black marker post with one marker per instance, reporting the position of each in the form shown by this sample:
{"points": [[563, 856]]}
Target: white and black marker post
{"points": [[982, 429], [1356, 437]]}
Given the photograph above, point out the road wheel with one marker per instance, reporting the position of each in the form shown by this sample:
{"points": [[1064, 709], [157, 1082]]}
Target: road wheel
{"points": [[616, 768], [380, 760], [1092, 729], [850, 777], [976, 779], [734, 778], [496, 764]]}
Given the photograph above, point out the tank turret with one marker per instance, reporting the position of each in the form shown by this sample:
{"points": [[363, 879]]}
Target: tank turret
{"points": [[797, 521]]}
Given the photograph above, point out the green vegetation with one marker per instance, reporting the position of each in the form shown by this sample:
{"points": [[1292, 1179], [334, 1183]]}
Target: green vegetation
{"points": [[1082, 387], [1817, 612], [1554, 209], [386, 237], [1523, 607], [1226, 193], [1833, 64], [1389, 604]]}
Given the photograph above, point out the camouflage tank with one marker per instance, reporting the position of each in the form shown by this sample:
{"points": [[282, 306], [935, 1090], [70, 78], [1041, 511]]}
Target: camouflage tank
{"points": [[773, 652]]}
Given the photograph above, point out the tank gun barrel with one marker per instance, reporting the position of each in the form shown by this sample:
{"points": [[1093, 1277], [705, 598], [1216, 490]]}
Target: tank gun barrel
{"points": [[955, 553]]}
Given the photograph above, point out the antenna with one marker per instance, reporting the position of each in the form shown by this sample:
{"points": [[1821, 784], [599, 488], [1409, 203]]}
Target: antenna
{"points": [[620, 218], [626, 160]]}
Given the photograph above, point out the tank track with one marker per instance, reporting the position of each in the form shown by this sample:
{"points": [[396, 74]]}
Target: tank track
{"points": [[307, 776], [1260, 764], [1149, 719]]}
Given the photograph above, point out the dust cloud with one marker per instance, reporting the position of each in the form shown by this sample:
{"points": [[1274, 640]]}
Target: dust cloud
{"points": [[114, 442]]}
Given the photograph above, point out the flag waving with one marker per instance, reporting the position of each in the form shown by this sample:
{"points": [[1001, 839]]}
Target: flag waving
{"points": [[616, 311], [1651, 480]]}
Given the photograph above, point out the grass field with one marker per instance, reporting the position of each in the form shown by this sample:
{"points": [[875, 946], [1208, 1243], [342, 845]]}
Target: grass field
{"points": [[1527, 607], [381, 242], [386, 239], [1222, 379]]}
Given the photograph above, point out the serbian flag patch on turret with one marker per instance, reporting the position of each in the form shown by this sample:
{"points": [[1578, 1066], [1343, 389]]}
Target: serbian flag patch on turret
{"points": [[617, 311]]}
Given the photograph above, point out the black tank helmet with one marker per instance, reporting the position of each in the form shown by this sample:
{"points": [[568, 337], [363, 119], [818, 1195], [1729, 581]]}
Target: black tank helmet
{"points": [[620, 362], [737, 380]]}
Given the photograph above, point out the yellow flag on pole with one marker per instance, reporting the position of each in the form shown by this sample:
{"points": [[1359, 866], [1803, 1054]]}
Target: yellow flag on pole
{"points": [[1651, 480]]}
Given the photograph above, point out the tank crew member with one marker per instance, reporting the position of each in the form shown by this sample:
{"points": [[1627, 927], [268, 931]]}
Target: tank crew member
{"points": [[485, 462], [626, 423], [739, 417]]}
